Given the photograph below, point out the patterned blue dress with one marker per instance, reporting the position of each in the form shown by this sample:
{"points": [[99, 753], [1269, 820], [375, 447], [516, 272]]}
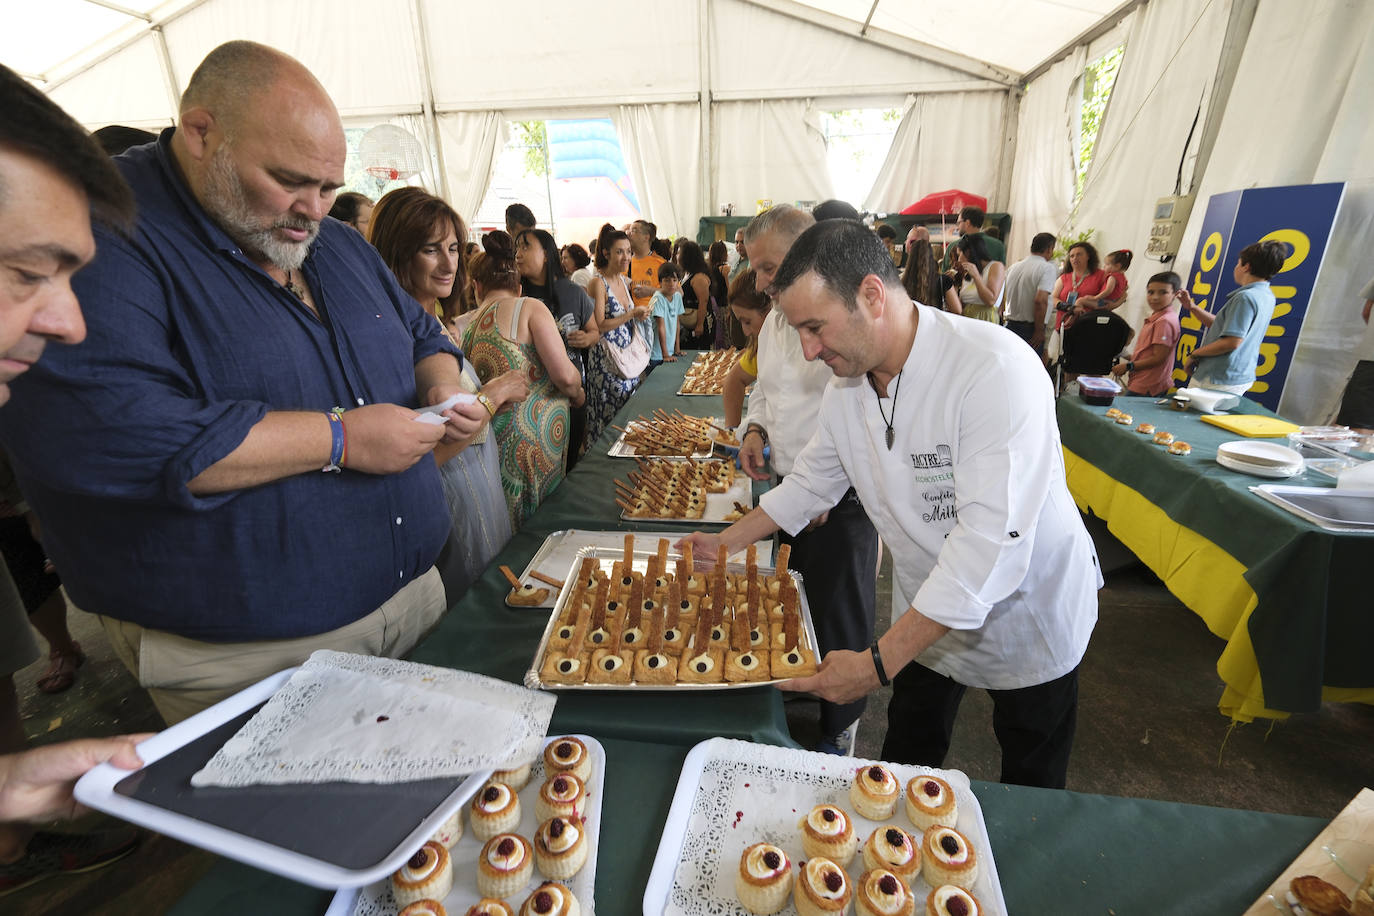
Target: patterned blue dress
{"points": [[607, 392]]}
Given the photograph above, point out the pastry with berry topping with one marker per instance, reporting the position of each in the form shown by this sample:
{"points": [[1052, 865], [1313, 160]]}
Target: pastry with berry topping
{"points": [[879, 892], [516, 778], [561, 795], [504, 866], [489, 907], [952, 900], [495, 809], [550, 899], [560, 847], [451, 831], [424, 907], [947, 857], [930, 802], [426, 875], [567, 755], [874, 792], [896, 850], [822, 888], [764, 879], [827, 831]]}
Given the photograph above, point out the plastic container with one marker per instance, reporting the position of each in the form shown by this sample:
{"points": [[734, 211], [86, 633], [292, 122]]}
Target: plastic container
{"points": [[1098, 390]]}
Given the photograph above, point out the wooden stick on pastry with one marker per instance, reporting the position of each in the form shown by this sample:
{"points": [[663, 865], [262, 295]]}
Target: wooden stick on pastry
{"points": [[521, 594], [702, 664], [629, 558], [673, 637], [652, 664], [632, 635]]}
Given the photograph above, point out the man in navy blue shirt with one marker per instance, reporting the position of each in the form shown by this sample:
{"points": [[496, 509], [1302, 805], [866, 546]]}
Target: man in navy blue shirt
{"points": [[239, 343]]}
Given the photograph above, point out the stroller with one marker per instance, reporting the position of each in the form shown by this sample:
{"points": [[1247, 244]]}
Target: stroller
{"points": [[1091, 344]]}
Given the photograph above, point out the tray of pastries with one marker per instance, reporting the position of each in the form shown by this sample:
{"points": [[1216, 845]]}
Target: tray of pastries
{"points": [[632, 621], [755, 828], [700, 491], [666, 435], [706, 375], [530, 831]]}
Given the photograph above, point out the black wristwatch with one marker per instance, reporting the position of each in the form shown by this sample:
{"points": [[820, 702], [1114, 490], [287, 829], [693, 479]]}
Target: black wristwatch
{"points": [[1130, 365]]}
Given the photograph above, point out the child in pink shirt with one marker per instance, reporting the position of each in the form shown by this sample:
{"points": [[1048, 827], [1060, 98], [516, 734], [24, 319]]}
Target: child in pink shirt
{"points": [[1152, 362]]}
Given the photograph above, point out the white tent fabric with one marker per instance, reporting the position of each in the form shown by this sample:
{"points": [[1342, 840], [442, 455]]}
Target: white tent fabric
{"points": [[1300, 113], [662, 147], [949, 140], [471, 141], [1169, 65], [768, 150], [1043, 179]]}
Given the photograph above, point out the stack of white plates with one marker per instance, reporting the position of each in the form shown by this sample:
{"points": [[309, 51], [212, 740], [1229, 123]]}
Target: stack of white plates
{"points": [[1259, 457]]}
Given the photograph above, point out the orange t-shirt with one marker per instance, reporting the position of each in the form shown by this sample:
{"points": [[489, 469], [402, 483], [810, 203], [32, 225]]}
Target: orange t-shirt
{"points": [[645, 270]]}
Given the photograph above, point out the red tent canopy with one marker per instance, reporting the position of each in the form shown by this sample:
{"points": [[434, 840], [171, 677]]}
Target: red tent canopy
{"points": [[951, 201]]}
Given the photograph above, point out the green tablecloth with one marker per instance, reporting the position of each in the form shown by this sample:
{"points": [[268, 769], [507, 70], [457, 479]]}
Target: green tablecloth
{"points": [[1056, 852], [1310, 625]]}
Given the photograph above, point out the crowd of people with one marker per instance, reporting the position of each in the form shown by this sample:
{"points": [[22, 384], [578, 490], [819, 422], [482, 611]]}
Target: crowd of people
{"points": [[249, 372]]}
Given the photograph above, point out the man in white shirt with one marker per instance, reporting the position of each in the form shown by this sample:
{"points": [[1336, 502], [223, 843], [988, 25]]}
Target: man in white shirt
{"points": [[1028, 287], [837, 554], [946, 428]]}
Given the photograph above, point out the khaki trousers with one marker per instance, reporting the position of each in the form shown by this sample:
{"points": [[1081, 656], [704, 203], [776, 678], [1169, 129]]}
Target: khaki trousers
{"points": [[184, 676]]}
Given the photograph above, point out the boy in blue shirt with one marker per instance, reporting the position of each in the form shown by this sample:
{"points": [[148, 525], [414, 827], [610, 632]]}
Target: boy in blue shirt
{"points": [[664, 309], [1229, 353]]}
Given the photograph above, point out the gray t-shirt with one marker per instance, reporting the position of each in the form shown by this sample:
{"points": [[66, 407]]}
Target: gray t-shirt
{"points": [[1025, 279]]}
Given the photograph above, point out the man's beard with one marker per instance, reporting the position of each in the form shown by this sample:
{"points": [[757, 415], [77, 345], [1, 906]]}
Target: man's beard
{"points": [[227, 204]]}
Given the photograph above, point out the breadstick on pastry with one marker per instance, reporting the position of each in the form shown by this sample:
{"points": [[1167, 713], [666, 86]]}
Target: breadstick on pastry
{"points": [[510, 576], [629, 551], [597, 633], [521, 594], [673, 637], [722, 558], [632, 636], [652, 664], [784, 554], [689, 559], [662, 555], [751, 556]]}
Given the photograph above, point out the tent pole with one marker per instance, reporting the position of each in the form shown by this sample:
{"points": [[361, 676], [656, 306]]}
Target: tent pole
{"points": [[436, 153], [1228, 62], [705, 180], [1011, 114], [169, 74]]}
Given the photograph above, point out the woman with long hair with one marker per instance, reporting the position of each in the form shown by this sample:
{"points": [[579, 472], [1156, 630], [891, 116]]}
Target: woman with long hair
{"points": [[615, 315], [728, 331], [921, 277], [699, 316], [419, 237], [1082, 276], [750, 307], [540, 266], [978, 279], [514, 333]]}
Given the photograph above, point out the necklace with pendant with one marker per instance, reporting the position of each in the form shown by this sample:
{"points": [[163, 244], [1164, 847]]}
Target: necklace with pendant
{"points": [[891, 434], [293, 289]]}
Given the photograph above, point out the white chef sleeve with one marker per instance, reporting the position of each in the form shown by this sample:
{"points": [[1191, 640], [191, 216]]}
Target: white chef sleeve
{"points": [[1008, 457], [817, 481]]}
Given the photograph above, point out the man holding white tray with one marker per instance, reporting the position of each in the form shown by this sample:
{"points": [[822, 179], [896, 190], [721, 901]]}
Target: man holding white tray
{"points": [[946, 429]]}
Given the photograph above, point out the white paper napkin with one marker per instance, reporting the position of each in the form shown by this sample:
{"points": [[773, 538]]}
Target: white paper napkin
{"points": [[355, 718]]}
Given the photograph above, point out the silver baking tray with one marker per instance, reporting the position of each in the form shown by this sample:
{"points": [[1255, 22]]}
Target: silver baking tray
{"points": [[701, 358], [559, 548], [619, 449], [1342, 511], [606, 558], [718, 505]]}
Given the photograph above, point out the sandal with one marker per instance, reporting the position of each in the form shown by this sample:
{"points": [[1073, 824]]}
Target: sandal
{"points": [[61, 673]]}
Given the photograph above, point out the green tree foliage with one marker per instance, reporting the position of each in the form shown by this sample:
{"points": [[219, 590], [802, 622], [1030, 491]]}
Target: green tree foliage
{"points": [[1098, 79], [532, 136]]}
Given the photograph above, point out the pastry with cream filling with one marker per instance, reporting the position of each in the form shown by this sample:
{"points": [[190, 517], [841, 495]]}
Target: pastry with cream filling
{"points": [[568, 666], [424, 907], [828, 831], [793, 659], [522, 595], [495, 809], [560, 847], [952, 900], [948, 858], [822, 888], [701, 664], [652, 664], [561, 795], [568, 755], [550, 899], [451, 831], [516, 778], [743, 663], [1163, 438], [426, 875], [896, 850], [489, 907], [874, 792], [930, 802], [880, 892], [1179, 447], [504, 866], [764, 879]]}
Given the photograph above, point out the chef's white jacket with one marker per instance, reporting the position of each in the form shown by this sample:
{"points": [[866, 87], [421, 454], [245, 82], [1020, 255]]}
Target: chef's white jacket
{"points": [[785, 396], [971, 500]]}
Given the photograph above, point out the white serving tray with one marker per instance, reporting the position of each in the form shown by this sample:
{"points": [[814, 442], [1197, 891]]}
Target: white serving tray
{"points": [[732, 794], [97, 789], [1304, 502], [376, 899]]}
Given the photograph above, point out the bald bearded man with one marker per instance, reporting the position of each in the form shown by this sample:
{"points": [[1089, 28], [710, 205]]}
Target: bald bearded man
{"points": [[229, 468]]}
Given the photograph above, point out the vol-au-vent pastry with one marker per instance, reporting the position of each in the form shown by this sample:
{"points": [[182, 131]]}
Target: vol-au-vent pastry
{"points": [[700, 663], [561, 795], [874, 793], [652, 664], [952, 900], [742, 663], [504, 866], [894, 849], [450, 831], [822, 888], [426, 875], [948, 858], [488, 906], [560, 847], [568, 755], [880, 892], [495, 809], [550, 899], [516, 778], [425, 907], [828, 831], [764, 879], [930, 801]]}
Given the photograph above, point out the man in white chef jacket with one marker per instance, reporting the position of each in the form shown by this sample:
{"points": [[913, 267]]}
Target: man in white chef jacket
{"points": [[946, 429]]}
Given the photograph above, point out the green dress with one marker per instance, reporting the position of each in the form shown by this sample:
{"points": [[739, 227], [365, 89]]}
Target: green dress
{"points": [[533, 434]]}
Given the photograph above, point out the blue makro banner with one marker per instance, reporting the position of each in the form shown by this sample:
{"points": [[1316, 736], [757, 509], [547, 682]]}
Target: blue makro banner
{"points": [[1301, 217]]}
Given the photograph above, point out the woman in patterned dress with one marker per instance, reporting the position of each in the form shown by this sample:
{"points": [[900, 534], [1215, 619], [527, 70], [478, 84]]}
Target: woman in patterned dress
{"points": [[514, 333], [419, 237], [607, 392]]}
